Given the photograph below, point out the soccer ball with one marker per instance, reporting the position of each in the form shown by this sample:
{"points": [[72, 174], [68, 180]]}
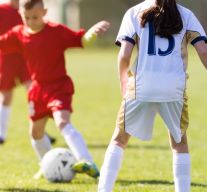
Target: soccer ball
{"points": [[56, 165]]}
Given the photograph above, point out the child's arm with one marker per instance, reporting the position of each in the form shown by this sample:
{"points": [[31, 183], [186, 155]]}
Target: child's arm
{"points": [[124, 58], [9, 43], [96, 30], [201, 48]]}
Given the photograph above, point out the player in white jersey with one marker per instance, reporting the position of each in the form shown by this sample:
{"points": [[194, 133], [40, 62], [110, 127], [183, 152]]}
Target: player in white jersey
{"points": [[156, 83]]}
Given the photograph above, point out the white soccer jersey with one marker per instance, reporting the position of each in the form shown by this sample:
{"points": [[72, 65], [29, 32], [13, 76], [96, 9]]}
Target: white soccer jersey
{"points": [[159, 73]]}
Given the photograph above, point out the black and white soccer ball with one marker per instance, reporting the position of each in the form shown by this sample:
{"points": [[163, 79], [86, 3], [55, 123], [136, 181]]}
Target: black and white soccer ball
{"points": [[56, 165]]}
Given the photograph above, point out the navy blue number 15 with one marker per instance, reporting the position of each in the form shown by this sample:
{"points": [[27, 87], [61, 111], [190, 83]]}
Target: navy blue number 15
{"points": [[152, 45]]}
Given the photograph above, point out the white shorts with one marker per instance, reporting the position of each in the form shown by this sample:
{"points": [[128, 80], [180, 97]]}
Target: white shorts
{"points": [[137, 118]]}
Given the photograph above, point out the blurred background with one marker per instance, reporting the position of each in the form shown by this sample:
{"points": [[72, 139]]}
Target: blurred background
{"points": [[84, 13]]}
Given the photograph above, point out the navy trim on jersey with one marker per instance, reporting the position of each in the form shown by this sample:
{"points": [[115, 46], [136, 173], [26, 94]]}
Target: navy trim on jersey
{"points": [[132, 41], [197, 39]]}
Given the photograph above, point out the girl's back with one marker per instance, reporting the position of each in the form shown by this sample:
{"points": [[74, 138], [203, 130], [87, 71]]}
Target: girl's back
{"points": [[160, 71]]}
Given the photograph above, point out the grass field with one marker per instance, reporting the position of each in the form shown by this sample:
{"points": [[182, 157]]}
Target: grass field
{"points": [[147, 166]]}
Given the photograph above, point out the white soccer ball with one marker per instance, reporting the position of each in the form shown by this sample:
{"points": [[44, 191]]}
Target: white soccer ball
{"points": [[56, 165]]}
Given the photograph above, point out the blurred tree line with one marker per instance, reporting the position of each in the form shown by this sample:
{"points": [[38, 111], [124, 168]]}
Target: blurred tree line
{"points": [[84, 13], [92, 11]]}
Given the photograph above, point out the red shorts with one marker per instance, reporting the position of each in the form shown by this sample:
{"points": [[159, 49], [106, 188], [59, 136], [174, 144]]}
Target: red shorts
{"points": [[47, 98], [12, 69]]}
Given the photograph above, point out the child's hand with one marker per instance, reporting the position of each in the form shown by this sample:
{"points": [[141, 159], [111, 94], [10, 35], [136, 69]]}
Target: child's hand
{"points": [[99, 28], [96, 30]]}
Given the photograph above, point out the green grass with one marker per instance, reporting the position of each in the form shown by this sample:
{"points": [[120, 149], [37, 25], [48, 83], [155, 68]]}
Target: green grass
{"points": [[146, 166]]}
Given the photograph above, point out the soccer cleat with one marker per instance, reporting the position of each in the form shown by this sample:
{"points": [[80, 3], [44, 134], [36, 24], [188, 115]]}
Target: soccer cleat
{"points": [[86, 167], [52, 139], [38, 175], [2, 141]]}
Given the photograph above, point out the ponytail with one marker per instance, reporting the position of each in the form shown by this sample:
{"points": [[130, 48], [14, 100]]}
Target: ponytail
{"points": [[165, 17]]}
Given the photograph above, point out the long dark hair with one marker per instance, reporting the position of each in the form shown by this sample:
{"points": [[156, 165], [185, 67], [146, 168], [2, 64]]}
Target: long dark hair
{"points": [[165, 17]]}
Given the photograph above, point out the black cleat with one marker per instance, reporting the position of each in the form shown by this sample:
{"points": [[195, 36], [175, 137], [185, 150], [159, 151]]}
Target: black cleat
{"points": [[52, 139], [2, 141]]}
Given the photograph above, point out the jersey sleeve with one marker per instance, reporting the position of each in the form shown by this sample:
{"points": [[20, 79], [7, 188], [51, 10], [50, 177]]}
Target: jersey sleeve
{"points": [[70, 38], [9, 43], [127, 29], [195, 31]]}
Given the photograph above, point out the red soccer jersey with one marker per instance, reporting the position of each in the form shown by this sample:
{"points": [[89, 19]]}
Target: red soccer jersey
{"points": [[44, 51], [9, 17], [12, 66]]}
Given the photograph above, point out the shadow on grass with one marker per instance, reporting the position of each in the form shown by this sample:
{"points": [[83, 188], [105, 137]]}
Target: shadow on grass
{"points": [[130, 146], [27, 190], [155, 182], [145, 182]]}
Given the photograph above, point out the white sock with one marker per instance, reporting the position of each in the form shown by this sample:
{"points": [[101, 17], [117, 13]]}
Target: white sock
{"points": [[76, 143], [4, 118], [41, 146], [181, 171], [110, 168]]}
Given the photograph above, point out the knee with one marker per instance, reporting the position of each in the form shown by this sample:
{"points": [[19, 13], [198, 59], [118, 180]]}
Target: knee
{"points": [[121, 142], [181, 147], [120, 138], [61, 124], [61, 118]]}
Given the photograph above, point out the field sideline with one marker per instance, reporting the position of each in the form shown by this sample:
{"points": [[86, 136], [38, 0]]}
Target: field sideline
{"points": [[147, 165]]}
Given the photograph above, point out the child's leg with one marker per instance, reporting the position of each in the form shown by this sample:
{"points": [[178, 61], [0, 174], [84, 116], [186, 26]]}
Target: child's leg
{"points": [[6, 99], [76, 143], [112, 161], [175, 116], [181, 165], [72, 137], [39, 140]]}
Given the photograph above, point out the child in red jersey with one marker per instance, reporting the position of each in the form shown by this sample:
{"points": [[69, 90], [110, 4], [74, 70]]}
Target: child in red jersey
{"points": [[12, 66], [43, 44]]}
